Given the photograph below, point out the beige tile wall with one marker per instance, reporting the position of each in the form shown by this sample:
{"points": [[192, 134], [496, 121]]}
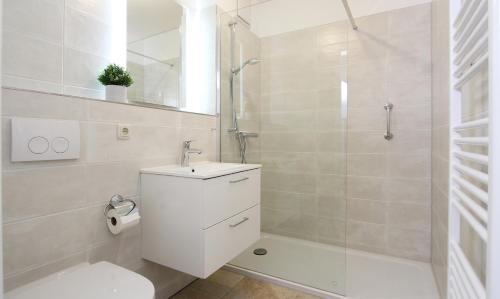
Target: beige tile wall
{"points": [[388, 193], [440, 143], [53, 211], [303, 133], [384, 205]]}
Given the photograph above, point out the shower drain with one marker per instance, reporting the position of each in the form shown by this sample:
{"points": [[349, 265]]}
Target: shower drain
{"points": [[260, 251]]}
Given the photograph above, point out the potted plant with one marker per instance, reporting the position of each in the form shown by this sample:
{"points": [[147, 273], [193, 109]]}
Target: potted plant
{"points": [[116, 79]]}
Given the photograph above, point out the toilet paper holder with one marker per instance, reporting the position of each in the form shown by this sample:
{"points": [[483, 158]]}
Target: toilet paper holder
{"points": [[119, 203]]}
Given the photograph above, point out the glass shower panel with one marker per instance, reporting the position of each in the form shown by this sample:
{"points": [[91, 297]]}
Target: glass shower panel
{"points": [[284, 84], [240, 91]]}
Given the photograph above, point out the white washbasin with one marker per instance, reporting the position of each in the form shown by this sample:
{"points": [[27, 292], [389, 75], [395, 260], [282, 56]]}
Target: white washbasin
{"points": [[201, 170]]}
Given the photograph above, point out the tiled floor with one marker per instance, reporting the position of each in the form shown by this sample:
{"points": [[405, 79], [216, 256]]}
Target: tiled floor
{"points": [[229, 285]]}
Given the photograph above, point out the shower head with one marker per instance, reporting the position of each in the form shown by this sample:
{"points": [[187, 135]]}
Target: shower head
{"points": [[252, 61]]}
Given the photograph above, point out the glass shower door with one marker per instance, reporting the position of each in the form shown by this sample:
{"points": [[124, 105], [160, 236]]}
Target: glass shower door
{"points": [[284, 83]]}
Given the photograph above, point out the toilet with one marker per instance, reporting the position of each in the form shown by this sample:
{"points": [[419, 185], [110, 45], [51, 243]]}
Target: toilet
{"points": [[101, 280]]}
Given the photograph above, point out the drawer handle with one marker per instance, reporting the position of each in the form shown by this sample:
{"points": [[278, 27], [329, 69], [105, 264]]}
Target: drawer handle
{"points": [[237, 181], [236, 224]]}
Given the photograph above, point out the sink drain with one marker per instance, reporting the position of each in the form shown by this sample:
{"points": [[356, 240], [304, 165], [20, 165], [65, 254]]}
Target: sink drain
{"points": [[260, 251]]}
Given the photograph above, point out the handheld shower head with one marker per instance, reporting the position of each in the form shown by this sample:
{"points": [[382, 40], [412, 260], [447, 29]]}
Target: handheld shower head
{"points": [[251, 61]]}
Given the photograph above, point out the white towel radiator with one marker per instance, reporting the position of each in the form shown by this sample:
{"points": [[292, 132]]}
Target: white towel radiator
{"points": [[474, 176]]}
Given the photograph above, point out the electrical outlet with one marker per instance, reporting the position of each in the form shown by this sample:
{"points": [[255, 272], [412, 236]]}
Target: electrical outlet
{"points": [[123, 131]]}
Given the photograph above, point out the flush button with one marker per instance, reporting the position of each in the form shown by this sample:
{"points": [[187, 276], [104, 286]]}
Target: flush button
{"points": [[60, 145], [38, 145]]}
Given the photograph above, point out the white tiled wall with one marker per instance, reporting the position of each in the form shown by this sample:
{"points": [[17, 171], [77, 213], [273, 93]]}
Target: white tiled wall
{"points": [[57, 46], [53, 210]]}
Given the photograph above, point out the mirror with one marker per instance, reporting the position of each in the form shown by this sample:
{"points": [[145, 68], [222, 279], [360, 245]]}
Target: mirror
{"points": [[154, 51], [167, 46]]}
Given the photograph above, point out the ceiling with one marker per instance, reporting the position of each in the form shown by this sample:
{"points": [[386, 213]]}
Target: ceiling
{"points": [[279, 16]]}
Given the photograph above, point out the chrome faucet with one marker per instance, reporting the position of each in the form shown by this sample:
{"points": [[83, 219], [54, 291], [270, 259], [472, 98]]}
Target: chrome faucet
{"points": [[186, 150]]}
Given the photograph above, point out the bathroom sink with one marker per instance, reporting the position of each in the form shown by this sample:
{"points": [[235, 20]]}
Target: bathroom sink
{"points": [[201, 170]]}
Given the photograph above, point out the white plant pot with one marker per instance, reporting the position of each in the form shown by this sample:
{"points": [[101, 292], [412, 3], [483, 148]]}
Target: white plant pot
{"points": [[116, 93]]}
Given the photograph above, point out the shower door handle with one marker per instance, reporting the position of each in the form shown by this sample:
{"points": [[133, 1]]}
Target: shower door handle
{"points": [[388, 108]]}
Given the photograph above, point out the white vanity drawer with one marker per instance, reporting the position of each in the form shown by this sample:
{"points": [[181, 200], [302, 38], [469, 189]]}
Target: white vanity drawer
{"points": [[228, 195], [196, 224], [226, 240]]}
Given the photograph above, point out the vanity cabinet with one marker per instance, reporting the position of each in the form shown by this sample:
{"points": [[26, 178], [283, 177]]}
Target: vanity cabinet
{"points": [[198, 224]]}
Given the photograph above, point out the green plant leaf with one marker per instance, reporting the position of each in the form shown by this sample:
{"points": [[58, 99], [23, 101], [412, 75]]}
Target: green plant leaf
{"points": [[114, 74]]}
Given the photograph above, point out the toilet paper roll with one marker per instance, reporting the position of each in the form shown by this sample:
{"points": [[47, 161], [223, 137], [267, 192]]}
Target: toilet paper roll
{"points": [[117, 223]]}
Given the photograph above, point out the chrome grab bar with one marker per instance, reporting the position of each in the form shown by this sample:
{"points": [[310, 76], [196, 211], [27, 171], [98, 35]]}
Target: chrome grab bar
{"points": [[388, 108], [237, 181], [236, 224]]}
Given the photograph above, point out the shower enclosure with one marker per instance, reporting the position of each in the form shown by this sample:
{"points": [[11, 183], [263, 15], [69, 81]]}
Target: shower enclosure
{"points": [[344, 209], [283, 105]]}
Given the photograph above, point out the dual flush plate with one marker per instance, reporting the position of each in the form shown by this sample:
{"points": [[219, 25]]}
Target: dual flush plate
{"points": [[35, 139]]}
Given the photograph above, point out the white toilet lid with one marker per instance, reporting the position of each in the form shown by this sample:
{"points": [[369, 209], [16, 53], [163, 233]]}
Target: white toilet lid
{"points": [[102, 280]]}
